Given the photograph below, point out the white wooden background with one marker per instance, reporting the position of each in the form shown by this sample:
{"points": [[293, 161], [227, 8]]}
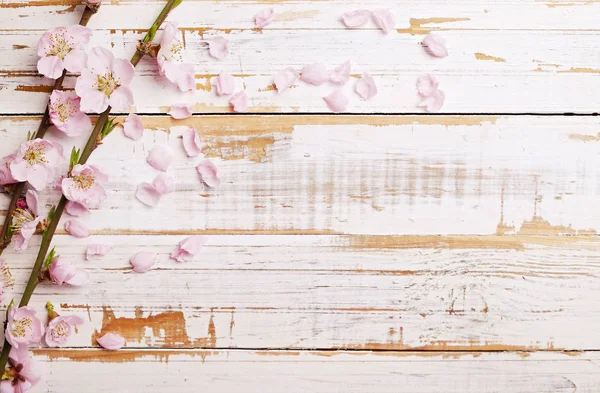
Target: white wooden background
{"points": [[381, 250]]}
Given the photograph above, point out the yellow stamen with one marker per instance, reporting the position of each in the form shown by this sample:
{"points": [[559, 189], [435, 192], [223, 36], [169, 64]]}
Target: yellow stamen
{"points": [[84, 182], [107, 84], [61, 46], [21, 327], [35, 155]]}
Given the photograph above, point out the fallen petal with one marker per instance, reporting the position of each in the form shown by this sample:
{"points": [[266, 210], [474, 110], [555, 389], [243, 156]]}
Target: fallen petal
{"points": [[239, 101], [218, 47], [148, 194], [164, 183], [133, 127], [76, 229], [285, 78], [356, 18], [143, 261], [97, 251], [366, 87], [76, 209], [180, 111], [315, 74], [187, 248], [191, 142], [264, 17], [341, 74], [426, 85], [160, 157], [111, 341], [435, 45], [384, 19], [337, 101], [208, 173], [224, 83], [433, 102]]}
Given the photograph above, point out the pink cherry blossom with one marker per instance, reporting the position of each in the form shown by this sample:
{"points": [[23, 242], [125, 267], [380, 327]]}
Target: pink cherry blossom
{"points": [[36, 161], [22, 373], [435, 45], [77, 229], [239, 101], [111, 341], [366, 87], [426, 85], [164, 183], [148, 194], [5, 175], [143, 261], [97, 251], [285, 78], [63, 271], [75, 209], [356, 18], [337, 101], [25, 220], [180, 111], [23, 327], [172, 61], [60, 329], [133, 128], [224, 84], [434, 101], [218, 47], [384, 19], [160, 157], [208, 173], [191, 142], [61, 48], [105, 82], [84, 186], [264, 17], [315, 74], [341, 74], [187, 248], [66, 115]]}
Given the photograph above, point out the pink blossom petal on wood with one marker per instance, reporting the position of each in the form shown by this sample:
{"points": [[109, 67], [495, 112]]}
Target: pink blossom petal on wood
{"points": [[314, 74], [285, 78], [76, 209], [264, 17], [426, 85], [435, 45], [218, 47], [97, 251], [80, 278], [208, 173], [341, 74], [224, 84], [148, 194], [191, 142], [143, 261], [433, 102], [133, 127], [160, 157], [187, 248], [356, 18], [239, 101], [181, 111], [366, 87], [337, 101], [77, 229], [111, 341], [384, 19], [164, 183]]}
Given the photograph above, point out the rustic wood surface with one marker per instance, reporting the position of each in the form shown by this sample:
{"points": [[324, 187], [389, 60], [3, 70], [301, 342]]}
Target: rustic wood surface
{"points": [[382, 250]]}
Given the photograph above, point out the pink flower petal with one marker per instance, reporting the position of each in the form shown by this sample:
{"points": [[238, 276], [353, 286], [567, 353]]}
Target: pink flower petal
{"points": [[180, 111], [435, 45], [433, 102], [315, 74], [239, 101], [341, 74], [285, 78], [31, 197], [164, 183], [191, 142], [133, 127], [111, 341], [76, 229], [426, 85], [264, 17], [143, 261], [356, 18], [366, 87], [337, 101], [187, 248], [97, 251], [218, 47], [75, 60], [148, 194], [224, 84], [76, 209], [80, 278], [160, 157], [384, 19], [208, 173], [51, 67]]}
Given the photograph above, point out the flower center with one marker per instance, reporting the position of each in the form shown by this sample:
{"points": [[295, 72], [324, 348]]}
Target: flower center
{"points": [[64, 110], [176, 51], [61, 330], [84, 182], [35, 155], [107, 84], [21, 327], [20, 218], [60, 47]]}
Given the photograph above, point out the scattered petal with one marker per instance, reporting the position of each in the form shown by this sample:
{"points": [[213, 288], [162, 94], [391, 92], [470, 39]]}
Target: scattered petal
{"points": [[285, 78], [148, 194], [76, 209], [426, 85], [224, 83], [164, 183], [366, 87], [97, 251], [111, 341], [133, 127], [76, 229], [208, 173], [187, 248], [384, 19], [160, 157], [341, 74], [239, 101], [356, 18], [433, 102], [264, 17], [181, 111], [337, 101], [143, 261], [218, 47], [191, 142], [435, 45], [315, 74], [63, 271]]}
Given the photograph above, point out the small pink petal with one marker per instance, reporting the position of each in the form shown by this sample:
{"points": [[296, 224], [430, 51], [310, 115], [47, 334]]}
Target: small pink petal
{"points": [[180, 111], [191, 142], [148, 194], [366, 87], [435, 45], [384, 19], [285, 78], [337, 101], [356, 18], [239, 101], [76, 209], [76, 229], [315, 74], [187, 248], [111, 341], [426, 85], [160, 157], [218, 47], [341, 74], [143, 261], [264, 17], [31, 197], [224, 84], [433, 102], [208, 173], [80, 278], [133, 127], [164, 183], [97, 251]]}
